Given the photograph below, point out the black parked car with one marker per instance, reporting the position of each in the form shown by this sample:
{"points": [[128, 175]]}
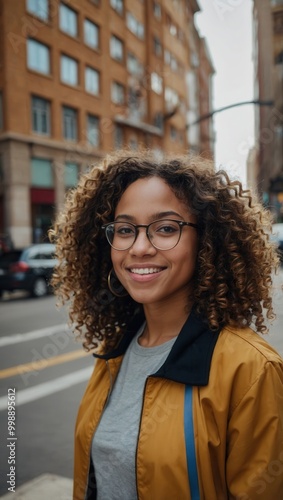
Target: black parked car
{"points": [[28, 269]]}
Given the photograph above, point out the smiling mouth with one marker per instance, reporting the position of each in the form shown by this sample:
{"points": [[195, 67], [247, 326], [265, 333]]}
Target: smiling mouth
{"points": [[146, 270]]}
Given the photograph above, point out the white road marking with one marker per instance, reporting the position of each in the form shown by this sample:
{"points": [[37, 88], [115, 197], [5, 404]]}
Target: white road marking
{"points": [[35, 334], [46, 388]]}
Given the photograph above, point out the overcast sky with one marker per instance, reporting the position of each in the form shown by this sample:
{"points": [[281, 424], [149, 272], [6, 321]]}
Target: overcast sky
{"points": [[227, 27]]}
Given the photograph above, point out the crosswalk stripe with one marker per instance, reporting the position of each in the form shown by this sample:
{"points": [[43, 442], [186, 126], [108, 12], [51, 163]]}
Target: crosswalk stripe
{"points": [[46, 388], [35, 334]]}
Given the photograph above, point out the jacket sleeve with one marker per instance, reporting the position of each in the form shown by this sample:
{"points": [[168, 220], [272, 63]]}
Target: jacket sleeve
{"points": [[254, 465]]}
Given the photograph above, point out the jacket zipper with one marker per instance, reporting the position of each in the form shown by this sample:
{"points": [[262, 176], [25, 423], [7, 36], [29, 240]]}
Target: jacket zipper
{"points": [[143, 399], [105, 404]]}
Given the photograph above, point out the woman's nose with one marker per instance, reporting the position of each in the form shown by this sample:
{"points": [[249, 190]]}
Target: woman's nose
{"points": [[142, 244]]}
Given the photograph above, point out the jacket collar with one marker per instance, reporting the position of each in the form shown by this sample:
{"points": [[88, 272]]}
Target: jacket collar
{"points": [[190, 357]]}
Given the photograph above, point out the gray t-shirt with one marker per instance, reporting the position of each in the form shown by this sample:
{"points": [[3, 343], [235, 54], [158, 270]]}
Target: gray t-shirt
{"points": [[115, 440]]}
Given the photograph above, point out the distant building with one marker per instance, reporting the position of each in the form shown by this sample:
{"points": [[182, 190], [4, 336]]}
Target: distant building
{"points": [[268, 60], [81, 78]]}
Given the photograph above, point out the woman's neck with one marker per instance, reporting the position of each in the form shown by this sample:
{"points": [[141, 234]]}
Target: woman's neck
{"points": [[163, 323]]}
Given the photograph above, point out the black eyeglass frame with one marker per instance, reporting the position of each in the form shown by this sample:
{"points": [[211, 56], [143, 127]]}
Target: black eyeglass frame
{"points": [[146, 226]]}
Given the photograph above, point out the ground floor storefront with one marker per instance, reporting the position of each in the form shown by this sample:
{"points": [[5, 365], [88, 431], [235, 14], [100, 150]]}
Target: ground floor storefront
{"points": [[34, 181]]}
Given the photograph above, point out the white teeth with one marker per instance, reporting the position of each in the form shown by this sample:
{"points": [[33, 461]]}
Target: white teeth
{"points": [[146, 270]]}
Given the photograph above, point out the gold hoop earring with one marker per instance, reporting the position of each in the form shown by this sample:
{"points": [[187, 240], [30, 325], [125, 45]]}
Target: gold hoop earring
{"points": [[115, 287]]}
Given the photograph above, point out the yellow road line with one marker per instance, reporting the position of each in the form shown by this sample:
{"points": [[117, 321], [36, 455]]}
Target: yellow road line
{"points": [[42, 363]]}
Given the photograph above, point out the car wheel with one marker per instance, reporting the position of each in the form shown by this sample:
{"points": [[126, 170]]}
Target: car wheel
{"points": [[39, 288]]}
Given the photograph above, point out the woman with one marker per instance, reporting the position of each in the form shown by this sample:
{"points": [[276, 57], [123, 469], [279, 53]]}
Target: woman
{"points": [[167, 264]]}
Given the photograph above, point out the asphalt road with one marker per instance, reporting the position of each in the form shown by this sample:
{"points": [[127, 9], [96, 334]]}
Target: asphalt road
{"points": [[41, 360], [47, 370]]}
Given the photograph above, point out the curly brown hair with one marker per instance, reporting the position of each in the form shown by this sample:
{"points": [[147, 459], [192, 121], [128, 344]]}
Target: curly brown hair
{"points": [[233, 275]]}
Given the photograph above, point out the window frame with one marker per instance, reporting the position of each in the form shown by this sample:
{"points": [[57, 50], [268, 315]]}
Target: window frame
{"points": [[115, 5], [38, 45], [115, 39], [40, 113], [91, 24], [66, 108], [119, 89], [64, 58], [156, 83], [157, 12], [49, 174], [157, 46], [89, 69], [37, 9], [91, 120], [134, 25], [65, 27]]}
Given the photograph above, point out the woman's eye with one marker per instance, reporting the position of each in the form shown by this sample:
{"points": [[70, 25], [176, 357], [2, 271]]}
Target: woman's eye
{"points": [[125, 231], [166, 229]]}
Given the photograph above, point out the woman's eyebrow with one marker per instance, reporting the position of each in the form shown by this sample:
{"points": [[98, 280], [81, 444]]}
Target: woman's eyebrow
{"points": [[125, 217], [160, 215], [155, 216]]}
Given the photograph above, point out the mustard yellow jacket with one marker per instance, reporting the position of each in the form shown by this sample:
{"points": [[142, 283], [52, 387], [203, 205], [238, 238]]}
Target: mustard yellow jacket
{"points": [[237, 418]]}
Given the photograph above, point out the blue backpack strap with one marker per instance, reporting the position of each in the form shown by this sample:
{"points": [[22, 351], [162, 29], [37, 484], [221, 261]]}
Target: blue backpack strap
{"points": [[190, 443]]}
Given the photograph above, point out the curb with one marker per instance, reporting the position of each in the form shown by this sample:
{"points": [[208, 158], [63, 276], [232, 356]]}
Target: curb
{"points": [[43, 487]]}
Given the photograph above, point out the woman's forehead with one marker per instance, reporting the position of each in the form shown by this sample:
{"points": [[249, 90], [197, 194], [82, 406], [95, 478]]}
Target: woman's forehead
{"points": [[152, 197]]}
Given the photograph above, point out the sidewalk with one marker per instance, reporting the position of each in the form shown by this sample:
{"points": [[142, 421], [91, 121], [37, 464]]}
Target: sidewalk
{"points": [[45, 487]]}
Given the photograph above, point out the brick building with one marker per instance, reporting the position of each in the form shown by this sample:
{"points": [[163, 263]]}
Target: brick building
{"points": [[79, 78], [265, 165]]}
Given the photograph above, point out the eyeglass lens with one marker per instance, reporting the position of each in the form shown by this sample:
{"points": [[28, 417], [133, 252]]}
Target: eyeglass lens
{"points": [[163, 234]]}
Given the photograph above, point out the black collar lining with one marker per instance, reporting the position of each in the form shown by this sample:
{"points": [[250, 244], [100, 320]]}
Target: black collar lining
{"points": [[190, 357]]}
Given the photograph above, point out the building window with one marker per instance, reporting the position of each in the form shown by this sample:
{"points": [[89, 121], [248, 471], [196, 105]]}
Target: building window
{"points": [[157, 47], [93, 130], [167, 56], [38, 56], [92, 81], [69, 70], [156, 83], [171, 98], [118, 93], [38, 8], [134, 66], [41, 173], [68, 20], [135, 26], [171, 26], [71, 175], [70, 127], [118, 137], [157, 10], [118, 5], [40, 116], [174, 64], [116, 48], [158, 120], [91, 34]]}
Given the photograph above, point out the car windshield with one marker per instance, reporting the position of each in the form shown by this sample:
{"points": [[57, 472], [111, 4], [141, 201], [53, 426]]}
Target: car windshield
{"points": [[277, 231]]}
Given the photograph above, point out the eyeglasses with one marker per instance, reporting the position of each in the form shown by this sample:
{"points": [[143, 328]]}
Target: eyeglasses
{"points": [[163, 234]]}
